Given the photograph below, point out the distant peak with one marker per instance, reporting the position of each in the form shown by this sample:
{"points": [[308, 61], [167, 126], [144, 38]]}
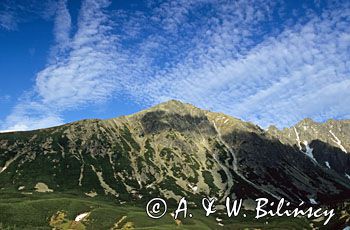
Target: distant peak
{"points": [[307, 121], [175, 106], [272, 127], [173, 102]]}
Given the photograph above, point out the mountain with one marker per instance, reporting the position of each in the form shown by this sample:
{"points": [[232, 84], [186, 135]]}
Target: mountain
{"points": [[174, 150]]}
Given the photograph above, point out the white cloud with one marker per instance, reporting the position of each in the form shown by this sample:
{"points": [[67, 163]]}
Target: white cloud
{"points": [[31, 123], [62, 29], [14, 12], [83, 72], [8, 20], [28, 115], [87, 73], [302, 72], [254, 60]]}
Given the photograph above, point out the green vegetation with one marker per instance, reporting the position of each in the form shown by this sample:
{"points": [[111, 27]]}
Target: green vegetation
{"points": [[109, 171], [128, 137], [167, 153], [209, 180], [45, 211]]}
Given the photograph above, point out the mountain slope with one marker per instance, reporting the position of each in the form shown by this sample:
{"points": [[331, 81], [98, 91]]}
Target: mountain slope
{"points": [[326, 143], [174, 150]]}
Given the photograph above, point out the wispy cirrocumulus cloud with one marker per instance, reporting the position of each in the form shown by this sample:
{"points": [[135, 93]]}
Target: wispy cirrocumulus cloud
{"points": [[303, 71], [87, 72], [283, 79], [268, 63], [12, 13], [7, 20], [82, 71], [62, 30]]}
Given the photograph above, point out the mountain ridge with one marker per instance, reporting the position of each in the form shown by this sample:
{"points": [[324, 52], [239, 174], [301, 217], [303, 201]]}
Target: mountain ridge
{"points": [[171, 102], [175, 149]]}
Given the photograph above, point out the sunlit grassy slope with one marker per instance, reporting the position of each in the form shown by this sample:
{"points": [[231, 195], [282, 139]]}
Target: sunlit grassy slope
{"points": [[56, 210]]}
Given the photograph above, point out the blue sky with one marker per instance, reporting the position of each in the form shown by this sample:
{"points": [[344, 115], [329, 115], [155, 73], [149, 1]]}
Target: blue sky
{"points": [[268, 62]]}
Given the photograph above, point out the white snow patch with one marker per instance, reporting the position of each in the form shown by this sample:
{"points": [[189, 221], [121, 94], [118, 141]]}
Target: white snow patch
{"points": [[193, 187], [218, 219], [327, 164], [347, 175], [150, 185], [81, 216], [297, 139], [312, 201], [3, 169], [221, 224], [338, 142], [7, 163], [309, 150]]}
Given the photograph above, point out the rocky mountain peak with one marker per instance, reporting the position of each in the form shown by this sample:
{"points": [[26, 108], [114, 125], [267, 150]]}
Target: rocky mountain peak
{"points": [[306, 121], [175, 106], [175, 149]]}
